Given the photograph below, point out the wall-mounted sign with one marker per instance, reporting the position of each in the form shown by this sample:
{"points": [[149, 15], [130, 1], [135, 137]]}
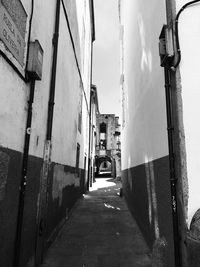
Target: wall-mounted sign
{"points": [[13, 27]]}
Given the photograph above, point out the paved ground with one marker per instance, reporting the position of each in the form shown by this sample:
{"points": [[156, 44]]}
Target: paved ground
{"points": [[100, 233]]}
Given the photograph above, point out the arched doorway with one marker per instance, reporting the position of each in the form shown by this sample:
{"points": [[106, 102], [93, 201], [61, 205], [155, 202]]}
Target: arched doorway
{"points": [[103, 166]]}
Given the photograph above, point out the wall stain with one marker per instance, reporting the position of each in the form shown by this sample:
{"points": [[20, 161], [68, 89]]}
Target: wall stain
{"points": [[61, 179], [4, 162]]}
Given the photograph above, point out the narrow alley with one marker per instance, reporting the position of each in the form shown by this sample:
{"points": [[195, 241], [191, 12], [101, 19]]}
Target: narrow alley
{"points": [[99, 233], [98, 98]]}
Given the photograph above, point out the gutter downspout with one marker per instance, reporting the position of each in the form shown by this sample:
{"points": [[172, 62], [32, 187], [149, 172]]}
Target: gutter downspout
{"points": [[89, 181], [43, 202], [23, 182], [24, 176], [75, 54], [92, 137], [51, 112], [53, 74], [173, 178], [175, 65]]}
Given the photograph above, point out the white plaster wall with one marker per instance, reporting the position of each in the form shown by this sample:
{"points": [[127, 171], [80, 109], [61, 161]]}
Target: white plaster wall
{"points": [[72, 11], [84, 25], [68, 88], [65, 124], [42, 31], [189, 28], [15, 92], [144, 135]]}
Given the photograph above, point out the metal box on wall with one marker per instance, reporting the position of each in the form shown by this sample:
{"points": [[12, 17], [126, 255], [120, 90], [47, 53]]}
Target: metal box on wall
{"points": [[166, 48], [35, 60]]}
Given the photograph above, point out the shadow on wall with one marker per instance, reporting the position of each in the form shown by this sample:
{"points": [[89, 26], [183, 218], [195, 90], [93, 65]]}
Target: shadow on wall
{"points": [[193, 241], [146, 189], [65, 190], [61, 179], [152, 198]]}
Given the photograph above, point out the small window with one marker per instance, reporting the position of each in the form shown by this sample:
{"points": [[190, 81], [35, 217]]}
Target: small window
{"points": [[103, 127]]}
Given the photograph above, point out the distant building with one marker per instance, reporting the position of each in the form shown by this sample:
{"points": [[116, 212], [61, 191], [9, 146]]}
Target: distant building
{"points": [[94, 113], [108, 144]]}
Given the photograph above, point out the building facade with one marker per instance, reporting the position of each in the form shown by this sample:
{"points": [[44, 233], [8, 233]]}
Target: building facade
{"points": [[94, 113], [160, 133], [45, 62], [108, 144]]}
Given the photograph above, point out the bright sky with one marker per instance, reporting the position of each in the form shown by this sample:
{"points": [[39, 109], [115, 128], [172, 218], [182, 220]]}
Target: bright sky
{"points": [[106, 70]]}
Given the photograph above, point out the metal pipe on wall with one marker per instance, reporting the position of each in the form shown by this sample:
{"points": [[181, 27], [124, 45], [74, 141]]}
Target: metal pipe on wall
{"points": [[43, 205], [53, 73], [175, 65], [24, 176], [23, 182], [51, 102], [89, 181], [173, 179]]}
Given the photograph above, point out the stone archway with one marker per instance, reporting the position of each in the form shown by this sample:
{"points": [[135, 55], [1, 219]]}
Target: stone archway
{"points": [[103, 163]]}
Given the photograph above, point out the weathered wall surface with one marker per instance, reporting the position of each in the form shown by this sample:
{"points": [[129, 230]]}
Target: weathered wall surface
{"points": [[85, 33], [145, 166], [13, 108], [70, 126], [187, 136], [189, 68], [147, 83]]}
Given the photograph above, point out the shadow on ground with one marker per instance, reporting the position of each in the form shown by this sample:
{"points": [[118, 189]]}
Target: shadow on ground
{"points": [[100, 232]]}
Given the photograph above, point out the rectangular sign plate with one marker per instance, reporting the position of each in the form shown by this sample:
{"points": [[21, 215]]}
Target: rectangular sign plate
{"points": [[13, 28]]}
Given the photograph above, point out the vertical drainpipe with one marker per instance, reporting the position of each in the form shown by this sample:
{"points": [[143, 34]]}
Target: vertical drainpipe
{"points": [[92, 137], [23, 182], [89, 182], [24, 176], [53, 73], [51, 101], [173, 179]]}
